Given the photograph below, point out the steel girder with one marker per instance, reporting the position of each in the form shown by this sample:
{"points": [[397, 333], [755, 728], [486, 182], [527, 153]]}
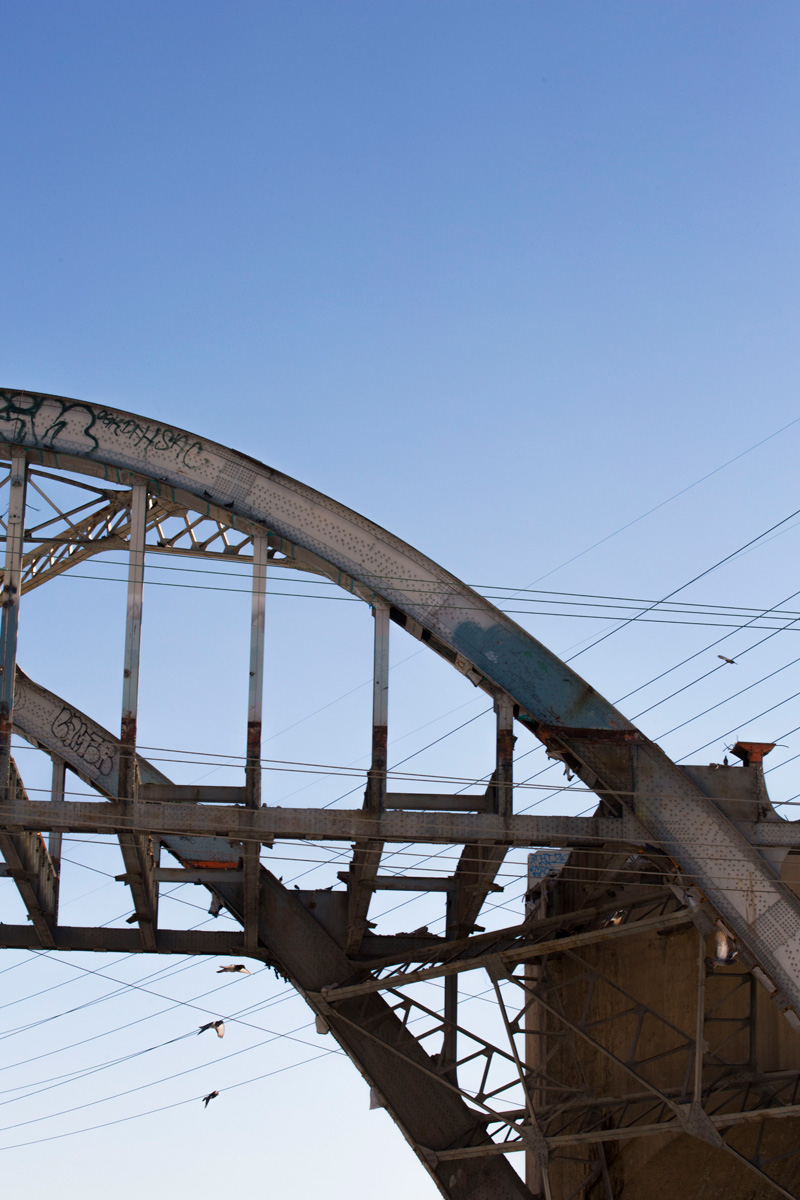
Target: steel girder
{"points": [[646, 799], [432, 1113], [458, 1153], [92, 753], [603, 747]]}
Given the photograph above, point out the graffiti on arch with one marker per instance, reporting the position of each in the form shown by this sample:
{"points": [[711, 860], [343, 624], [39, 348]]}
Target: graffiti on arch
{"points": [[41, 419], [78, 738], [27, 417], [144, 436]]}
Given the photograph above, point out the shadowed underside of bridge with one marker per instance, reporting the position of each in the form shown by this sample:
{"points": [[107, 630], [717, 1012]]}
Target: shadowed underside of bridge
{"points": [[627, 1056]]}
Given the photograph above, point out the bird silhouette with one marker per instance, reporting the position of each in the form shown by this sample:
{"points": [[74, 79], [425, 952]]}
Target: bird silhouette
{"points": [[732, 661], [219, 1026], [211, 1096], [235, 968]]}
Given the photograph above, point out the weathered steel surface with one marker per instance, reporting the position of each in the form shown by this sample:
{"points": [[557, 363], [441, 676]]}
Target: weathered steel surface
{"points": [[30, 865], [430, 1113], [448, 1135], [49, 721], [647, 799], [419, 588], [760, 910], [128, 941], [11, 592]]}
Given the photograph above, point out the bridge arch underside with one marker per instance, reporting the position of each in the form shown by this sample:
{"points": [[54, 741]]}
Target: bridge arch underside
{"points": [[602, 1068]]}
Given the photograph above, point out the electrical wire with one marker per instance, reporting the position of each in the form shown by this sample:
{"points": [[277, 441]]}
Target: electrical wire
{"points": [[720, 468], [640, 616]]}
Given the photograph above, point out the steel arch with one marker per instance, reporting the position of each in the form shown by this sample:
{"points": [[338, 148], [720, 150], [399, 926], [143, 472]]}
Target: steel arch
{"points": [[641, 791]]}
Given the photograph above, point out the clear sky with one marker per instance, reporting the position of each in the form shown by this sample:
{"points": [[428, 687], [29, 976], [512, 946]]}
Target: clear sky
{"points": [[501, 276]]}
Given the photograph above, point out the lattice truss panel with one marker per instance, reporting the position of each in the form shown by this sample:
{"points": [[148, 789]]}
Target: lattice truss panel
{"points": [[71, 521], [572, 1066]]}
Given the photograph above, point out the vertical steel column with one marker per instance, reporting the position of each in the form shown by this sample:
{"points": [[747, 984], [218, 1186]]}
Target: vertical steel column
{"points": [[251, 850], [504, 773], [137, 850], [367, 852], [258, 610], [133, 640], [535, 1027], [9, 622], [450, 1037], [23, 852], [700, 1017], [376, 780], [57, 795]]}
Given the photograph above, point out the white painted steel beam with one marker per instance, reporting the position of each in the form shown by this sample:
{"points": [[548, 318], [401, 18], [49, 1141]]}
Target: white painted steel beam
{"points": [[92, 753], [137, 852], [11, 594], [554, 702]]}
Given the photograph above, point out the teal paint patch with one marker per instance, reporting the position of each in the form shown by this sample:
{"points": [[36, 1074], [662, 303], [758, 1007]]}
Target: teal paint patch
{"points": [[537, 680]]}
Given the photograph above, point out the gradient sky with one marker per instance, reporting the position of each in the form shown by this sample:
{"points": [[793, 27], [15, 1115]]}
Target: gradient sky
{"points": [[503, 277]]}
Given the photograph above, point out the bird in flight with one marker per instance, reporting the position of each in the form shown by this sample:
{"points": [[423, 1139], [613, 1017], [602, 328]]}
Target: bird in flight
{"points": [[207, 1099], [219, 1026], [732, 661], [235, 968]]}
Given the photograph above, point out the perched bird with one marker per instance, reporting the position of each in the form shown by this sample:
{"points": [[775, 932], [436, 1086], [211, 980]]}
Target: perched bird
{"points": [[218, 1025], [235, 968], [725, 762], [211, 1096], [725, 952], [732, 661]]}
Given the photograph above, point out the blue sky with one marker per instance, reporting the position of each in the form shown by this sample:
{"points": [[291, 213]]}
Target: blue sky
{"points": [[503, 277]]}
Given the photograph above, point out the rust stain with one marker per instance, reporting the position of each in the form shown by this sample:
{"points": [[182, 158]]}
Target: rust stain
{"points": [[213, 864]]}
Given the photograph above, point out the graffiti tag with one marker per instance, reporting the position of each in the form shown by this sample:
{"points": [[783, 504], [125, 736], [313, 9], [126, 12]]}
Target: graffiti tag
{"points": [[546, 862], [89, 746], [41, 419], [145, 437]]}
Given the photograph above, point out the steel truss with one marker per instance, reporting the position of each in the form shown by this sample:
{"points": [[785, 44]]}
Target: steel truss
{"points": [[572, 1062]]}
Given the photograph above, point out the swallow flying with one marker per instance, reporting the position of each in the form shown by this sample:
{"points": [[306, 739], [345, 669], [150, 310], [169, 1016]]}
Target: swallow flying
{"points": [[218, 1026]]}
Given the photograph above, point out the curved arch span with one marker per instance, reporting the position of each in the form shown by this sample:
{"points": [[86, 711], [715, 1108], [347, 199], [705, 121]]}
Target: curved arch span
{"points": [[601, 746], [481, 640]]}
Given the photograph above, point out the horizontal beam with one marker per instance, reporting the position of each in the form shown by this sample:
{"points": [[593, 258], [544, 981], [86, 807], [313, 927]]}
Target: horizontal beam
{"points": [[191, 875], [345, 825], [659, 1129], [511, 957], [409, 883], [437, 802], [176, 793], [441, 948], [167, 941]]}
